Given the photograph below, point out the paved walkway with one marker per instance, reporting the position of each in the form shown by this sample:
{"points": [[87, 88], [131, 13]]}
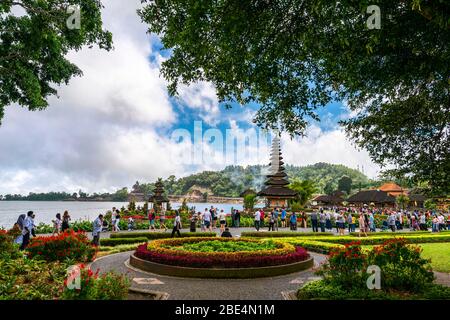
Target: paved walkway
{"points": [[234, 231], [270, 288], [238, 231]]}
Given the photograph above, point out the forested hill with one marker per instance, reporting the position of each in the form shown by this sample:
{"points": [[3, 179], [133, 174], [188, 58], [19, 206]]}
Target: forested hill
{"points": [[234, 179], [229, 182]]}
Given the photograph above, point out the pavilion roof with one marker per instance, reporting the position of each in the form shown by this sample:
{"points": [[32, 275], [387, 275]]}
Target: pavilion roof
{"points": [[375, 196]]}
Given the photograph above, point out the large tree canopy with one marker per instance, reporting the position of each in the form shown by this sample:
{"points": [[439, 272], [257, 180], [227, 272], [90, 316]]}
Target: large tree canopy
{"points": [[294, 56], [34, 39]]}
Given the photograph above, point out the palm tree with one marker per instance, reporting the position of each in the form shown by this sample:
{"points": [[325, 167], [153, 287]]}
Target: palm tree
{"points": [[305, 190], [249, 202], [402, 200]]}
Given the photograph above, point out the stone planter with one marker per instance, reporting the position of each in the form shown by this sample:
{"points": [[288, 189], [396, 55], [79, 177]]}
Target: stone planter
{"points": [[220, 273]]}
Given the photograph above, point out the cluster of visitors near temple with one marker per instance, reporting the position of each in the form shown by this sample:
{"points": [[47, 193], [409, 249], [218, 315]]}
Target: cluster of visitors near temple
{"points": [[211, 219]]}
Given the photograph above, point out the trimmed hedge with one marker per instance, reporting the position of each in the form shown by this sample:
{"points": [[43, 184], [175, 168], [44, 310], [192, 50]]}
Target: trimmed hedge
{"points": [[159, 235], [402, 233], [221, 273], [117, 241], [382, 239], [242, 259], [315, 246], [282, 234]]}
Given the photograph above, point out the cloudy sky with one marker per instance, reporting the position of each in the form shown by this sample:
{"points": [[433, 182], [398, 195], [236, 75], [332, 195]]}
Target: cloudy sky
{"points": [[117, 124]]}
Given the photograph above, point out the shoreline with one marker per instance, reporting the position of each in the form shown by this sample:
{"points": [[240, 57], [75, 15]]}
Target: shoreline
{"points": [[236, 201]]}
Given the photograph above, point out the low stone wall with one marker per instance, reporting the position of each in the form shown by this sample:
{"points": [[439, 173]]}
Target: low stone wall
{"points": [[220, 273]]}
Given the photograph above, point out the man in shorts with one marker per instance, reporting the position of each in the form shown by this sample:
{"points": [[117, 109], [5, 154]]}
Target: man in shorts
{"points": [[207, 218]]}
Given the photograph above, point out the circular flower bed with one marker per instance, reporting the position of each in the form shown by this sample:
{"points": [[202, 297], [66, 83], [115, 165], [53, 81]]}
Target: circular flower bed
{"points": [[220, 253]]}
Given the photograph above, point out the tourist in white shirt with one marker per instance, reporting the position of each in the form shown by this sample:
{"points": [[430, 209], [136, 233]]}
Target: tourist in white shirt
{"points": [[28, 229], [222, 220], [177, 225], [57, 224], [257, 216], [441, 221], [97, 229], [207, 219]]}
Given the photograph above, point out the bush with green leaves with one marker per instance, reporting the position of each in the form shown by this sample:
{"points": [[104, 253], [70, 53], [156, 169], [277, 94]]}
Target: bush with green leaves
{"points": [[159, 235], [346, 267], [401, 265], [404, 274], [30, 279], [92, 286], [111, 242]]}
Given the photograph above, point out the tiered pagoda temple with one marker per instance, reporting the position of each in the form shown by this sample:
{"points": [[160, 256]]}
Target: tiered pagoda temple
{"points": [[276, 191], [158, 198]]}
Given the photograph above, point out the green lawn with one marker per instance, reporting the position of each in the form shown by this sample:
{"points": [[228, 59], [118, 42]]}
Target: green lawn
{"points": [[439, 253]]}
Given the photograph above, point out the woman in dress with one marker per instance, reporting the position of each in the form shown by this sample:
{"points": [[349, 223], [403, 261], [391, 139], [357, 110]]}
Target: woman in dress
{"points": [[341, 224], [65, 221], [151, 219], [162, 219], [57, 224], [362, 225]]}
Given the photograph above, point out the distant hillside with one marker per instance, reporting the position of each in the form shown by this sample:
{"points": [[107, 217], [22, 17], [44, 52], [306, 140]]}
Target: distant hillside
{"points": [[229, 182], [326, 173], [234, 179]]}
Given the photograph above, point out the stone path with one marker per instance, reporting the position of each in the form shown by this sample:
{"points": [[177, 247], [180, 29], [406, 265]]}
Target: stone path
{"points": [[234, 231], [271, 288]]}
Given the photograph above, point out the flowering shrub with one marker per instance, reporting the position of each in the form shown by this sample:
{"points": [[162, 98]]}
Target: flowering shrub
{"points": [[135, 217], [226, 246], [91, 286], [283, 254], [345, 266], [68, 245], [404, 274], [111, 286], [402, 266], [86, 284], [175, 247]]}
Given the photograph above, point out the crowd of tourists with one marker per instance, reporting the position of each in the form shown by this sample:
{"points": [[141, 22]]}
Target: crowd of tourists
{"points": [[325, 219], [26, 227], [348, 218]]}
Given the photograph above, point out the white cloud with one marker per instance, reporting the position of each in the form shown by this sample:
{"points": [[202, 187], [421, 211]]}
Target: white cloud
{"points": [[201, 97], [109, 127], [102, 131], [326, 146]]}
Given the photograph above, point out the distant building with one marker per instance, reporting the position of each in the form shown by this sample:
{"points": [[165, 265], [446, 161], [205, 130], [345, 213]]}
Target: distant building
{"points": [[393, 189], [416, 200], [334, 199], [377, 197]]}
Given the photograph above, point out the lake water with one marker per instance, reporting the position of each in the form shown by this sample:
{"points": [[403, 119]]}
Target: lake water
{"points": [[45, 211]]}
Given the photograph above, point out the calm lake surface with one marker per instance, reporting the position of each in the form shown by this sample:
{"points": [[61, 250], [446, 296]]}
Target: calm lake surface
{"points": [[45, 211]]}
